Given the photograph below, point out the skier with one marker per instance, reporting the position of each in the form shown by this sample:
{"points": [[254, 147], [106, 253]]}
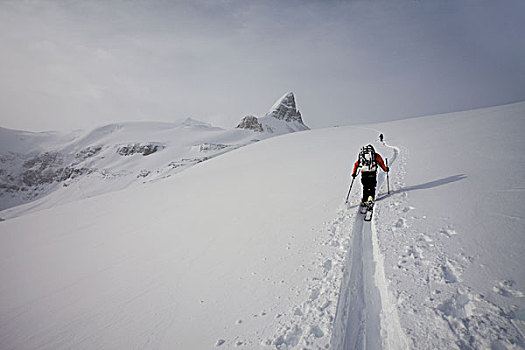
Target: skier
{"points": [[368, 160], [381, 137]]}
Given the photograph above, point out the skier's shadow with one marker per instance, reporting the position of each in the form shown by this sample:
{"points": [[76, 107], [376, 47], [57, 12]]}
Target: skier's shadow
{"points": [[425, 186]]}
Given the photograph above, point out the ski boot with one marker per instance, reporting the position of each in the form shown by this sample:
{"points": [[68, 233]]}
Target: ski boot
{"points": [[369, 208]]}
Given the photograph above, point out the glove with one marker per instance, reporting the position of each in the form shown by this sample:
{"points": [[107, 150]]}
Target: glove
{"points": [[387, 169], [354, 175]]}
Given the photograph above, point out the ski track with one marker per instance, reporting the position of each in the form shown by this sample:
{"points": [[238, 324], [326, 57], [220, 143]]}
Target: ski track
{"points": [[449, 313], [319, 322], [360, 321]]}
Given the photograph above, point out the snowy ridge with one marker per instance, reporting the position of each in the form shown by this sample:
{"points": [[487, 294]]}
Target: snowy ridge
{"points": [[109, 158], [44, 169]]}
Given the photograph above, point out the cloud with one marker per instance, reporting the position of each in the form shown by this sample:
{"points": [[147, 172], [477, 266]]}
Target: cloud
{"points": [[81, 64]]}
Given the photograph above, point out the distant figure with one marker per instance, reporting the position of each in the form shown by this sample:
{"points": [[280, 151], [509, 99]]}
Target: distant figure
{"points": [[368, 161], [381, 137]]}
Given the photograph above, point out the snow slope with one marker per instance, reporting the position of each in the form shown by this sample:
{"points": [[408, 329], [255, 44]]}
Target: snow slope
{"points": [[256, 249], [44, 169], [455, 234], [109, 158]]}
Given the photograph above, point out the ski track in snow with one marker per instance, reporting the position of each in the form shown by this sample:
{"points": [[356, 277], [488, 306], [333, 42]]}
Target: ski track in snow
{"points": [[429, 295], [392, 283], [365, 318], [375, 312]]}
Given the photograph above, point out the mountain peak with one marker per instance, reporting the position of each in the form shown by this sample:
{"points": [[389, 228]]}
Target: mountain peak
{"points": [[283, 117], [193, 122], [285, 109], [250, 122], [287, 99]]}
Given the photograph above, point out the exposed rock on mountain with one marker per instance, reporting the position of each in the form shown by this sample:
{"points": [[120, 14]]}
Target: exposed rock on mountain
{"points": [[207, 147], [87, 153], [250, 122], [109, 158], [144, 149], [283, 117], [285, 109]]}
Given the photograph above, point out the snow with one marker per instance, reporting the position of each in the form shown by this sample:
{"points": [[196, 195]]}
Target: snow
{"points": [[283, 117], [256, 248], [457, 227], [17, 141], [44, 169], [282, 101], [280, 127], [101, 152]]}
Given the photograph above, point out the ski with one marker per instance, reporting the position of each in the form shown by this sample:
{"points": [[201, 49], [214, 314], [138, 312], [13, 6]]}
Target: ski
{"points": [[368, 215], [369, 210]]}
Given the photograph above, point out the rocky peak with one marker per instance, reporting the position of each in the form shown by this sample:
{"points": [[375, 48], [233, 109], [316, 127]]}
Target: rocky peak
{"points": [[283, 117], [250, 122], [285, 109]]}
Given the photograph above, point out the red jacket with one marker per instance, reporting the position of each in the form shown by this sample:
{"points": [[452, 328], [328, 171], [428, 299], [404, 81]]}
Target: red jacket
{"points": [[379, 161]]}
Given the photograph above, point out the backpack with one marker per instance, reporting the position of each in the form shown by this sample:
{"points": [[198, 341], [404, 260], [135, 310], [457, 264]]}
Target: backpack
{"points": [[367, 159]]}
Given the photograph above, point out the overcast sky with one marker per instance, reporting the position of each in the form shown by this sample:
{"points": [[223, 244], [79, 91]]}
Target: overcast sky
{"points": [[66, 65]]}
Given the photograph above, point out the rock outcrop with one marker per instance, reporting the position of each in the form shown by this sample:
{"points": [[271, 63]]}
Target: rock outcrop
{"points": [[250, 122], [144, 149], [283, 117], [109, 158], [285, 109]]}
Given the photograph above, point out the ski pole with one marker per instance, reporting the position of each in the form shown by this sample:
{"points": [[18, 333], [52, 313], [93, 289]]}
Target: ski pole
{"points": [[353, 178], [350, 189], [387, 177]]}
